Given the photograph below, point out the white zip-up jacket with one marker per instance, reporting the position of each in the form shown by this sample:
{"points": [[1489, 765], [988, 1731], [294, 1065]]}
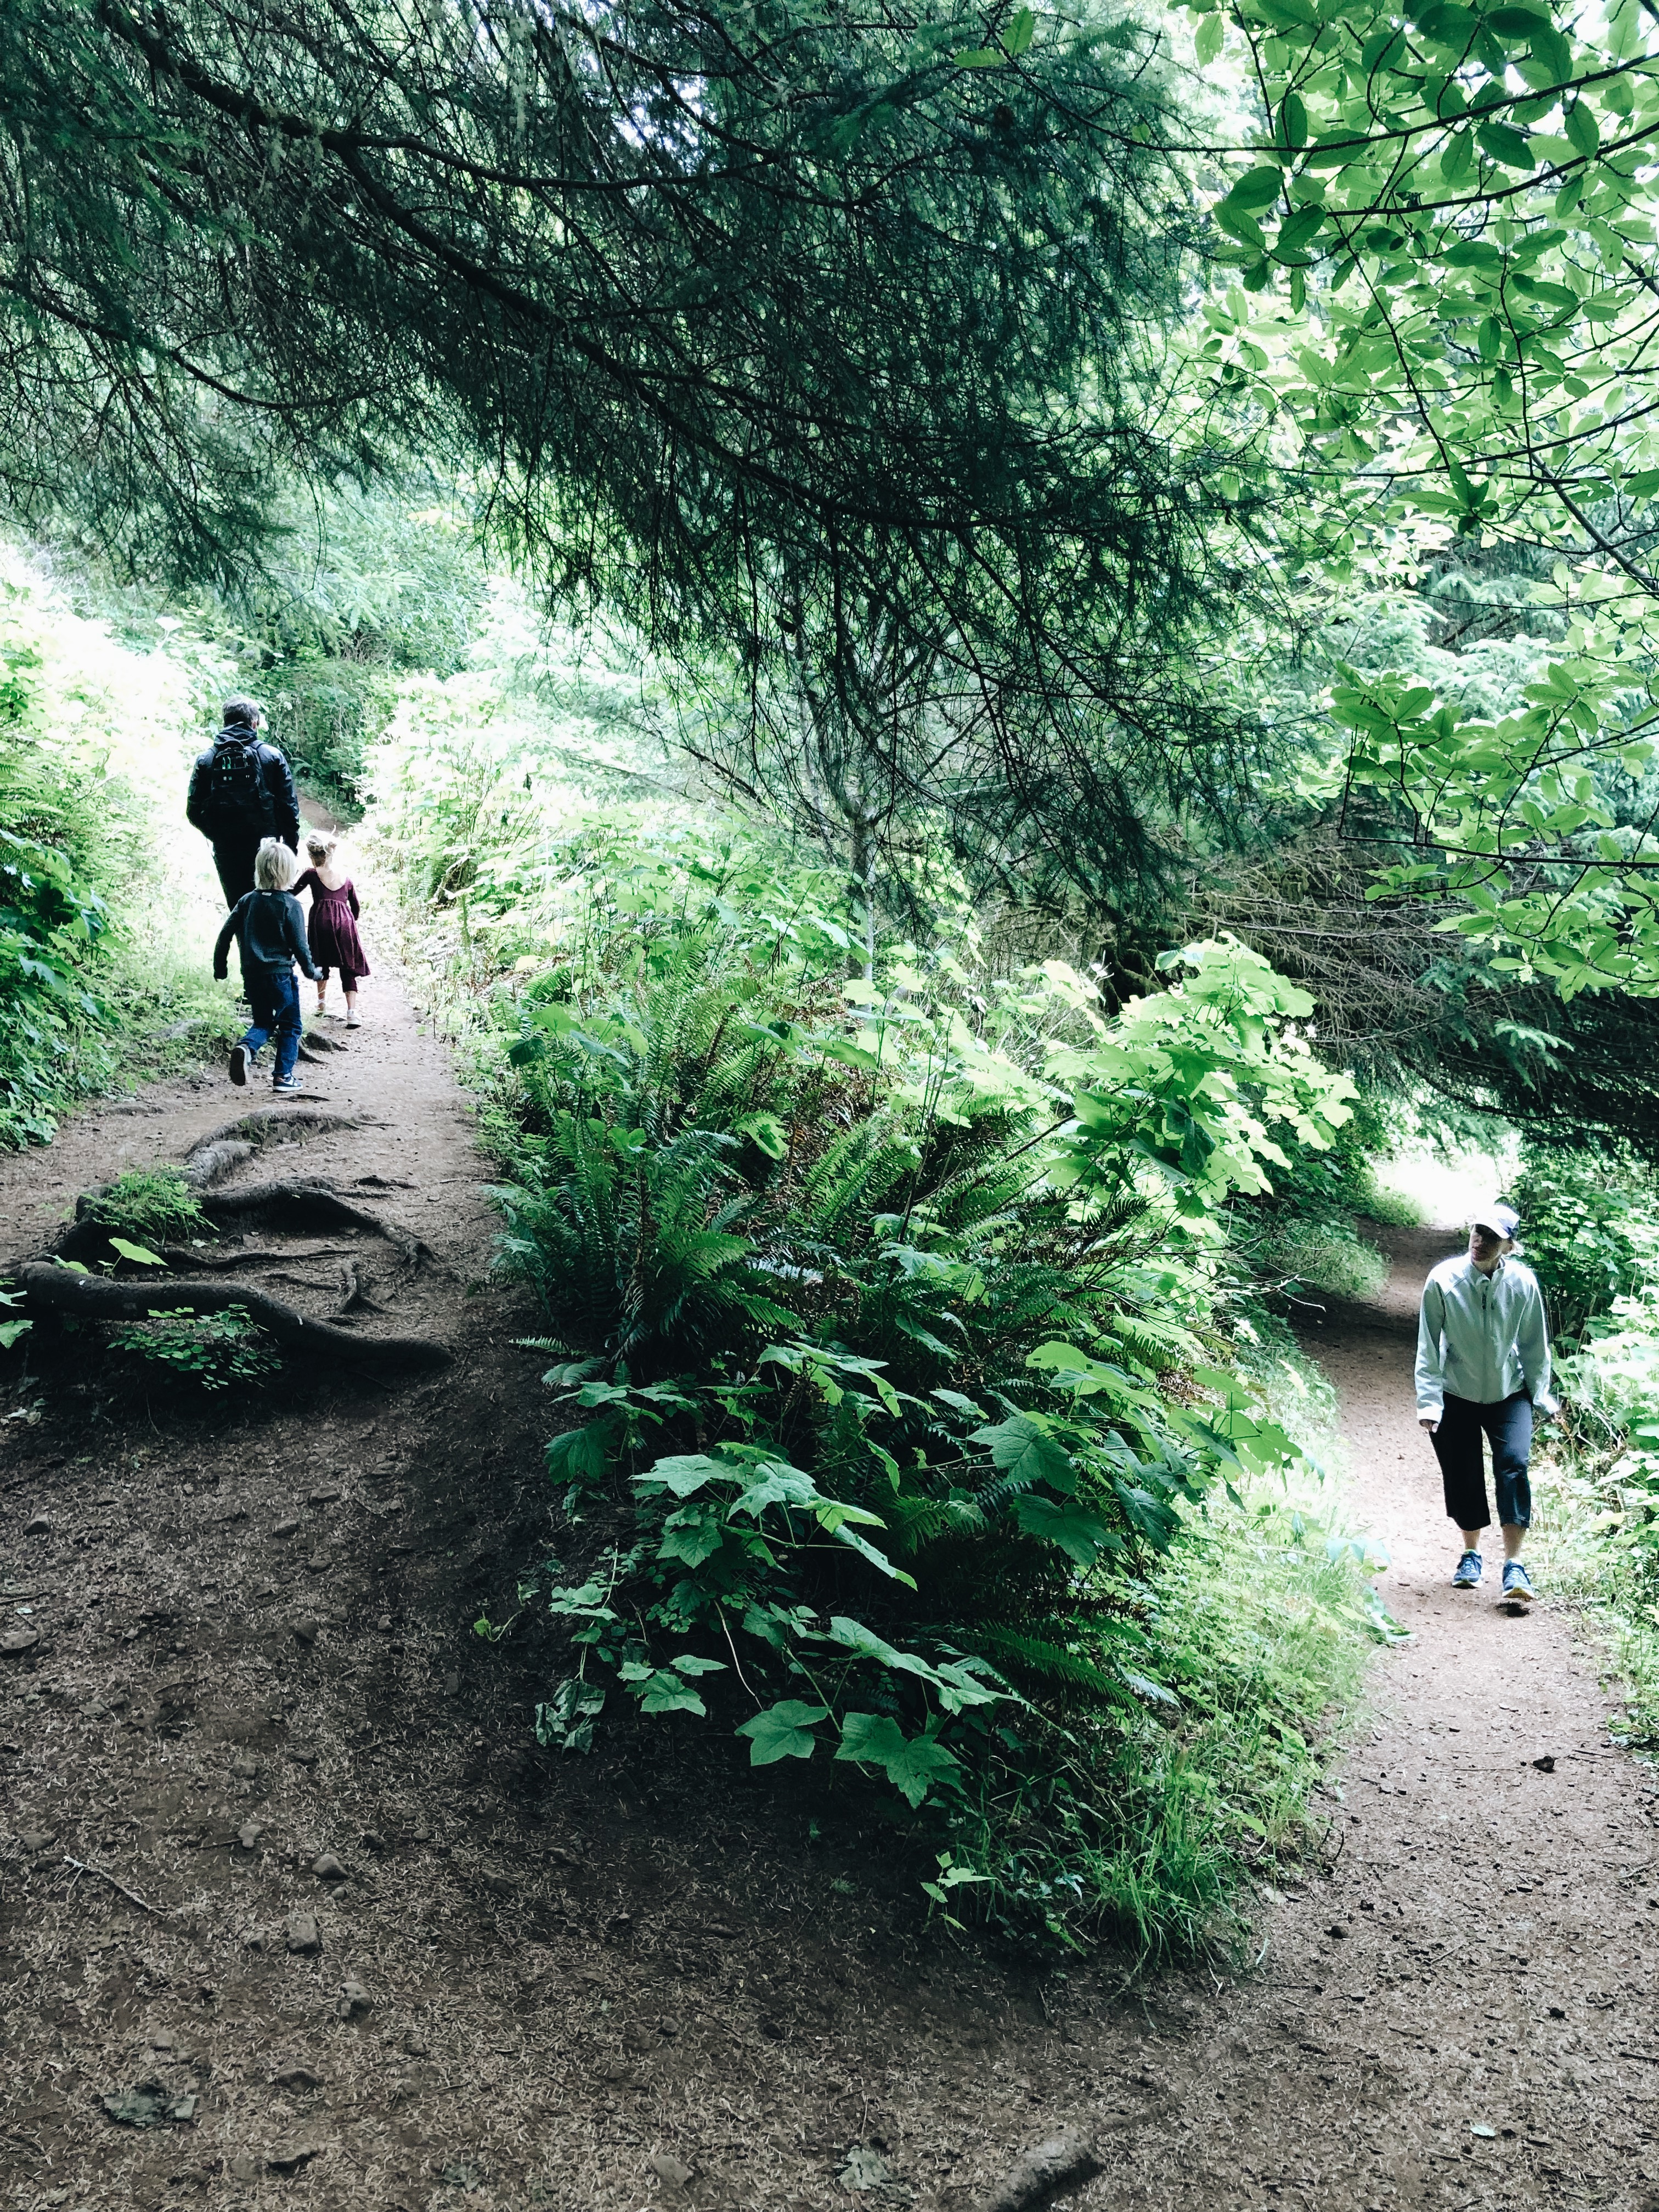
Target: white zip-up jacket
{"points": [[1482, 1337]]}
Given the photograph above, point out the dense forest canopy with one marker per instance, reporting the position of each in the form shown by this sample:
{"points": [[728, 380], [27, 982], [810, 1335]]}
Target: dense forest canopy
{"points": [[837, 350], [1013, 430]]}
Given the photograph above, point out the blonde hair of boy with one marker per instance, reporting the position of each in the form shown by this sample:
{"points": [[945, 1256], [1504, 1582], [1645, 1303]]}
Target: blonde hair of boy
{"points": [[319, 845], [275, 866]]}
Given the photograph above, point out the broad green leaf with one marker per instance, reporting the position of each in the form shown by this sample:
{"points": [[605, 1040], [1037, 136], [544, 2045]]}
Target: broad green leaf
{"points": [[1021, 1447], [1238, 223], [766, 1132], [879, 1560], [1579, 122], [581, 1454], [783, 1731], [667, 1692], [685, 1475], [777, 1485], [1020, 32], [914, 1767], [694, 1533], [1081, 1534], [139, 1254], [1256, 190], [1506, 145]]}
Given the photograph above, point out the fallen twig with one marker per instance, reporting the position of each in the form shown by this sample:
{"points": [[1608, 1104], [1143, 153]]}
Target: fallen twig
{"points": [[85, 1866]]}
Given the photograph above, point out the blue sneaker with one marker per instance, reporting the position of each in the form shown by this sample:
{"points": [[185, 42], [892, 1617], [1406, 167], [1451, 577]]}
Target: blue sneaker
{"points": [[1466, 1575], [1517, 1582]]}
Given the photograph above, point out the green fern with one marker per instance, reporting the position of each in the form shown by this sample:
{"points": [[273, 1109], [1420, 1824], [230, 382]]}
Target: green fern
{"points": [[1037, 1660], [912, 1521]]}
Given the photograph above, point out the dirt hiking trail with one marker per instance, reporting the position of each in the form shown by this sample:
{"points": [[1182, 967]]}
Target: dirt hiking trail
{"points": [[340, 1935]]}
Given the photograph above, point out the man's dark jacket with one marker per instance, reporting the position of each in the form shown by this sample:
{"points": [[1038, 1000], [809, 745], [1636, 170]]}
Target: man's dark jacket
{"points": [[279, 789]]}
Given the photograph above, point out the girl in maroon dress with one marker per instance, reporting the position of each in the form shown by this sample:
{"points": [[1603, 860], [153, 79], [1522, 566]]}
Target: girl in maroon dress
{"points": [[332, 927]]}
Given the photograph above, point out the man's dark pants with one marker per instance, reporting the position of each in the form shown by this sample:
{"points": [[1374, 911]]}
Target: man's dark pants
{"points": [[1508, 1423], [234, 858]]}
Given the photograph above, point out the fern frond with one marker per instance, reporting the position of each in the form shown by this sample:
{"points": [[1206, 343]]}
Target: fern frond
{"points": [[912, 1521], [1041, 1660]]}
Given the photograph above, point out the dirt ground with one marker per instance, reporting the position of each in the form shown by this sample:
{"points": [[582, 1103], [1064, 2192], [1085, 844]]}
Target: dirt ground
{"points": [[518, 1980]]}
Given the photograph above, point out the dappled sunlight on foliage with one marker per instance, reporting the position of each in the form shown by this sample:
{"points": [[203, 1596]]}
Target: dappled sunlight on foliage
{"points": [[105, 898]]}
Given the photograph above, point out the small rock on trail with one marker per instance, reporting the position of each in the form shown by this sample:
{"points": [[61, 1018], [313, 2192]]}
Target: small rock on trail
{"points": [[301, 1933]]}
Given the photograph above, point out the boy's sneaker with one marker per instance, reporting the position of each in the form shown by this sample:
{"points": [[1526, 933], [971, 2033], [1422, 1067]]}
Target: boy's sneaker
{"points": [[286, 1085], [1517, 1582], [240, 1057], [1466, 1575]]}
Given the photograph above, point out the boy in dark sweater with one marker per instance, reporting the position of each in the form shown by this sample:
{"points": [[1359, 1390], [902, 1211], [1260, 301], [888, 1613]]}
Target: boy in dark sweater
{"points": [[268, 926]]}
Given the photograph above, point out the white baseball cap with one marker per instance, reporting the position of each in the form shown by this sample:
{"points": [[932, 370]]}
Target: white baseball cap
{"points": [[1504, 1218]]}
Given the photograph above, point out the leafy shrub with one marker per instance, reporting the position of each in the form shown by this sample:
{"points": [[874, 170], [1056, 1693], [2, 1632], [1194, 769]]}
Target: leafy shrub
{"points": [[213, 1352], [885, 1309], [94, 744], [1590, 1231], [1599, 1494], [148, 1203]]}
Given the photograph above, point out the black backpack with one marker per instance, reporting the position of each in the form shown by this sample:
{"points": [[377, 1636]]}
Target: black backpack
{"points": [[237, 798]]}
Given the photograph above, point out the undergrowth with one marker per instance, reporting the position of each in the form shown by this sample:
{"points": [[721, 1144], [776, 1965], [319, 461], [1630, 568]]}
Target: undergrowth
{"points": [[147, 1203], [207, 1351], [900, 1427], [1591, 1232], [105, 900], [1324, 1255]]}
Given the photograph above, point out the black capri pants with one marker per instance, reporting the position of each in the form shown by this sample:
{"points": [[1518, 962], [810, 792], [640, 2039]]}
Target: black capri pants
{"points": [[1457, 1443]]}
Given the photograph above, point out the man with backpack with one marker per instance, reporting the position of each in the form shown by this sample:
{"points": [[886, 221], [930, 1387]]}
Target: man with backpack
{"points": [[241, 792]]}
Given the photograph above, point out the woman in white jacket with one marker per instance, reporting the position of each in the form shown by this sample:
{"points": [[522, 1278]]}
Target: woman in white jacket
{"points": [[1483, 1365]]}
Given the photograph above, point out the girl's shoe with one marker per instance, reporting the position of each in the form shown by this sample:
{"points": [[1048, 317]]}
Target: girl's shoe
{"points": [[354, 1021], [1517, 1582], [286, 1085], [1466, 1574], [240, 1057]]}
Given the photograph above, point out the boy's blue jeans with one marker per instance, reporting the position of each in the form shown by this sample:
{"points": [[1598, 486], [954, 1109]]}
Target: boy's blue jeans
{"points": [[274, 996]]}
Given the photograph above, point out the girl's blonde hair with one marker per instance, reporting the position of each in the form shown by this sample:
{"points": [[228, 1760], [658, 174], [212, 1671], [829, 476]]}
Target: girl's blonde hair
{"points": [[320, 844], [275, 866]]}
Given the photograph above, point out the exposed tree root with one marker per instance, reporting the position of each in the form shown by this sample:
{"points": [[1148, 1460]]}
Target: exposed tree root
{"points": [[311, 1203], [213, 1163], [355, 1284], [223, 1149], [187, 1260], [278, 1124], [306, 1202], [60, 1291]]}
